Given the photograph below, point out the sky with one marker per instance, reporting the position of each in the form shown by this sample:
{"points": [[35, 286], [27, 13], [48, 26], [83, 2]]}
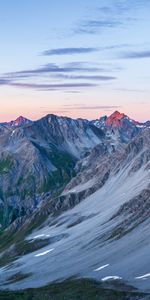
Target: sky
{"points": [[78, 58]]}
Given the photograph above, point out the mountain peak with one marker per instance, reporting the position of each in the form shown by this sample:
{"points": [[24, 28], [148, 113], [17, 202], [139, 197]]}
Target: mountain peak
{"points": [[21, 118], [116, 114], [115, 118], [20, 121]]}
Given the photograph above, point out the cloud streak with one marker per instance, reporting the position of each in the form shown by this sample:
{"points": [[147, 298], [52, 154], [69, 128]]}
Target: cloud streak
{"points": [[70, 75], [93, 26], [73, 75], [90, 107], [109, 16], [46, 87], [136, 54], [4, 81], [69, 108], [54, 69], [87, 77], [69, 51]]}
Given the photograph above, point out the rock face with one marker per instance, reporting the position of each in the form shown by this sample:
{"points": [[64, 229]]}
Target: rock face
{"points": [[37, 159]]}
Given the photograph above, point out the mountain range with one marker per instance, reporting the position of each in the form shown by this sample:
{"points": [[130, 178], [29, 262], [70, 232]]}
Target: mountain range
{"points": [[75, 201]]}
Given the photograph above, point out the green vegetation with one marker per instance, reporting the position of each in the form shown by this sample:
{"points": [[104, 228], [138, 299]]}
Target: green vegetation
{"points": [[72, 290], [7, 215], [64, 164], [25, 186], [5, 165], [15, 236], [29, 187]]}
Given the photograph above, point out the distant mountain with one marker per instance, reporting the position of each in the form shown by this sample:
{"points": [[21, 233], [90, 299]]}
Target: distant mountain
{"points": [[115, 120], [20, 121], [119, 127], [146, 124], [38, 159]]}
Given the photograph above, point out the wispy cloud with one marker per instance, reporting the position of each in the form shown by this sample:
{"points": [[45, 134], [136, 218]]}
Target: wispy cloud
{"points": [[55, 77], [87, 77], [89, 107], [136, 54], [46, 87], [69, 108], [93, 26], [73, 92], [130, 90], [69, 51], [109, 16], [54, 69], [82, 50], [71, 75], [4, 81]]}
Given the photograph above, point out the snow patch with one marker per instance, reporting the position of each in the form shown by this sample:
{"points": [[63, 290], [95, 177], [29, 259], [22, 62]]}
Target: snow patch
{"points": [[13, 132], [101, 268], [43, 253], [111, 278], [40, 236], [143, 276]]}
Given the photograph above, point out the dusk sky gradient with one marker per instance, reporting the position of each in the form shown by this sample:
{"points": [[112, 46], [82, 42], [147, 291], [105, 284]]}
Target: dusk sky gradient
{"points": [[78, 58]]}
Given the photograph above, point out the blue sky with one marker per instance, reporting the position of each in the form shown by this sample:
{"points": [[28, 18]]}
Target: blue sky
{"points": [[77, 58]]}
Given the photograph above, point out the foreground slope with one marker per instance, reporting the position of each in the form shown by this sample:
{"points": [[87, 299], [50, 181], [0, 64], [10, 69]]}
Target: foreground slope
{"points": [[105, 236], [75, 289]]}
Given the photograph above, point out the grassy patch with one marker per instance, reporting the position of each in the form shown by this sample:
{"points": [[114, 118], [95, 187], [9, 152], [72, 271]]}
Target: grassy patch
{"points": [[64, 164], [5, 164], [7, 215], [73, 290]]}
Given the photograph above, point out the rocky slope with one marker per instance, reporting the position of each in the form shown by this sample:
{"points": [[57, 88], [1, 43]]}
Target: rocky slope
{"points": [[97, 228], [77, 202], [37, 160]]}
